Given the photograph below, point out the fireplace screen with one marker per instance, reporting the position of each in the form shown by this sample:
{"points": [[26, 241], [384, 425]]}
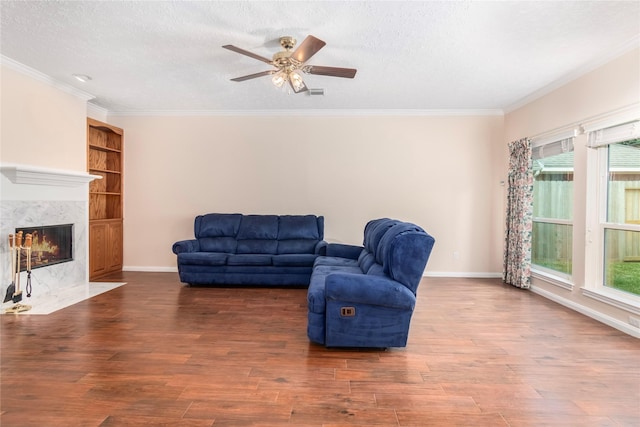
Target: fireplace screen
{"points": [[51, 244]]}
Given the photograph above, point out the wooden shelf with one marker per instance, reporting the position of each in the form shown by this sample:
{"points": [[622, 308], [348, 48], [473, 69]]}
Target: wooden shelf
{"points": [[101, 148], [105, 159], [106, 193], [104, 170]]}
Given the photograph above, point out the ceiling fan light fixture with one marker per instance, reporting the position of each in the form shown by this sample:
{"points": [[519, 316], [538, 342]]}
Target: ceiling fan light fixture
{"points": [[296, 81], [279, 78]]}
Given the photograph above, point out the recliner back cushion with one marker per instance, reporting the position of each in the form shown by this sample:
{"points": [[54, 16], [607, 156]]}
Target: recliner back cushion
{"points": [[365, 260], [258, 234], [374, 234], [403, 253]]}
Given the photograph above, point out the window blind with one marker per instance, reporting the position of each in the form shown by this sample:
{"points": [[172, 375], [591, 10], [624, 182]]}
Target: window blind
{"points": [[552, 149], [614, 134], [552, 145]]}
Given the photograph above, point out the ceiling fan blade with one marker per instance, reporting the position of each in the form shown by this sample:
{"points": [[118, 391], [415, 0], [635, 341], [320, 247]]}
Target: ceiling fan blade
{"points": [[309, 47], [247, 53], [253, 76], [348, 73]]}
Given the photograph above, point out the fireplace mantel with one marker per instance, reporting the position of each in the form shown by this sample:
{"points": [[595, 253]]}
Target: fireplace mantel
{"points": [[24, 174]]}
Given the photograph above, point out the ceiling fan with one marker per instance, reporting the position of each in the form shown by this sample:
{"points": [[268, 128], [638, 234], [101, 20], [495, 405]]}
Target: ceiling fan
{"points": [[288, 63]]}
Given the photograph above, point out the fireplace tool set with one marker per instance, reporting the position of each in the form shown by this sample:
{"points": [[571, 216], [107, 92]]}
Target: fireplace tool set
{"points": [[14, 293]]}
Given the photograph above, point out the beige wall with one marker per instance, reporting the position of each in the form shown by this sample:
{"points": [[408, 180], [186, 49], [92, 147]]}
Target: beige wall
{"points": [[614, 85], [439, 172], [40, 124], [443, 173], [611, 87]]}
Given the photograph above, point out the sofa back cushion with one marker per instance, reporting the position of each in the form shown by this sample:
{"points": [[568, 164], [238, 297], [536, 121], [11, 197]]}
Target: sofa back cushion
{"points": [[299, 234], [217, 232], [258, 234], [217, 225]]}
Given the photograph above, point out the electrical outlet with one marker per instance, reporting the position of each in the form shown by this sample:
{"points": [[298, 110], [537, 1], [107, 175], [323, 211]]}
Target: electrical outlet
{"points": [[634, 321], [456, 255]]}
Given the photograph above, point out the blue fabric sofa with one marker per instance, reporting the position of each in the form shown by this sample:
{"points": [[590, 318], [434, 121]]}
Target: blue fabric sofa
{"points": [[364, 296], [236, 249]]}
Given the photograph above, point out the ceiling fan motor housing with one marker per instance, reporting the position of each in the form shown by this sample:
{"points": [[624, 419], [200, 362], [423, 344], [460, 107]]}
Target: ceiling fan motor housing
{"points": [[287, 42]]}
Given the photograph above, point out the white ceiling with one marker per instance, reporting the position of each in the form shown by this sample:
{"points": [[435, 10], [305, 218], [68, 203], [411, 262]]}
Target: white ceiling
{"points": [[148, 56]]}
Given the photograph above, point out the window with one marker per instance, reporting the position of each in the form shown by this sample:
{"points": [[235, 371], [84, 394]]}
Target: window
{"points": [[552, 237], [617, 230], [622, 222]]}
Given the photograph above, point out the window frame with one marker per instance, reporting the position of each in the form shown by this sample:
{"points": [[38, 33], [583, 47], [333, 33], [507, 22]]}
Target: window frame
{"points": [[555, 140], [597, 224]]}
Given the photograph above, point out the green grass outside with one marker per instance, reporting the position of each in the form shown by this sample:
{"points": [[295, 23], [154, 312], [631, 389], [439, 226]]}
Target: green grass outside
{"points": [[561, 266], [624, 276]]}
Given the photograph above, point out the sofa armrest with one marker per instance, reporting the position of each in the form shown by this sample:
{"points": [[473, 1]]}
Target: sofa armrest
{"points": [[368, 289], [321, 248], [186, 246], [343, 251]]}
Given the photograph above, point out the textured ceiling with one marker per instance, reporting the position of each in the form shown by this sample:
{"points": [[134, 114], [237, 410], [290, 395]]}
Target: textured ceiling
{"points": [[166, 56]]}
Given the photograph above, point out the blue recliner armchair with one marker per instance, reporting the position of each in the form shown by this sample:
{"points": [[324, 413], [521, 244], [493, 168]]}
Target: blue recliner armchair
{"points": [[364, 296]]}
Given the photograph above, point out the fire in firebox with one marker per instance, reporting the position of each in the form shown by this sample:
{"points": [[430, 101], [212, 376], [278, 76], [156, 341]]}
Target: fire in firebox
{"points": [[52, 244]]}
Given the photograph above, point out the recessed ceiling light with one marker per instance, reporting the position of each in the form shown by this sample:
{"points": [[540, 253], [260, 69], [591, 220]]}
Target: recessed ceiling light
{"points": [[82, 77]]}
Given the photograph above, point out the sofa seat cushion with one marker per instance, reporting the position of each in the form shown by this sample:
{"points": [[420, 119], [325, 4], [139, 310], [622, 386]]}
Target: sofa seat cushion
{"points": [[293, 260], [202, 258], [249, 259]]}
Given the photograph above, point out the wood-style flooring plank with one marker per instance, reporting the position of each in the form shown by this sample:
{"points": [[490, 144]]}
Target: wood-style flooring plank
{"points": [[157, 353]]}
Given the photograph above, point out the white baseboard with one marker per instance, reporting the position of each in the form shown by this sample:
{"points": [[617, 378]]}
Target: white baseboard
{"points": [[589, 312], [472, 275]]}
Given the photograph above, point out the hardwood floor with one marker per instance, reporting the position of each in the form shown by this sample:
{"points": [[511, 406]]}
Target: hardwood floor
{"points": [[156, 353]]}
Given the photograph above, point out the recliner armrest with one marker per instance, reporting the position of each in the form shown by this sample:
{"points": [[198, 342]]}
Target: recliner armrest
{"points": [[368, 289], [343, 251], [186, 246]]}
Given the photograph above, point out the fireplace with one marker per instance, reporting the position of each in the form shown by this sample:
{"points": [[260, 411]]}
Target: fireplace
{"points": [[51, 244]]}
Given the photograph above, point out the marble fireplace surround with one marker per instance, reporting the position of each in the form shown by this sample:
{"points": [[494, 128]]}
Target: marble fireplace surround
{"points": [[32, 196]]}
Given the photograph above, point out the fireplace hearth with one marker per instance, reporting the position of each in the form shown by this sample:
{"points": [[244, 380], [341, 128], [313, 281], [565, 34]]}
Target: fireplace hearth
{"points": [[51, 244]]}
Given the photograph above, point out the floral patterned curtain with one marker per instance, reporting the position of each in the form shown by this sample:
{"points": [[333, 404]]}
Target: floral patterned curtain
{"points": [[517, 252]]}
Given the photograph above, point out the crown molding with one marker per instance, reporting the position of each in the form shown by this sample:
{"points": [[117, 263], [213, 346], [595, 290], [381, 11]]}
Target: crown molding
{"points": [[313, 113], [41, 77], [96, 110], [625, 48]]}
